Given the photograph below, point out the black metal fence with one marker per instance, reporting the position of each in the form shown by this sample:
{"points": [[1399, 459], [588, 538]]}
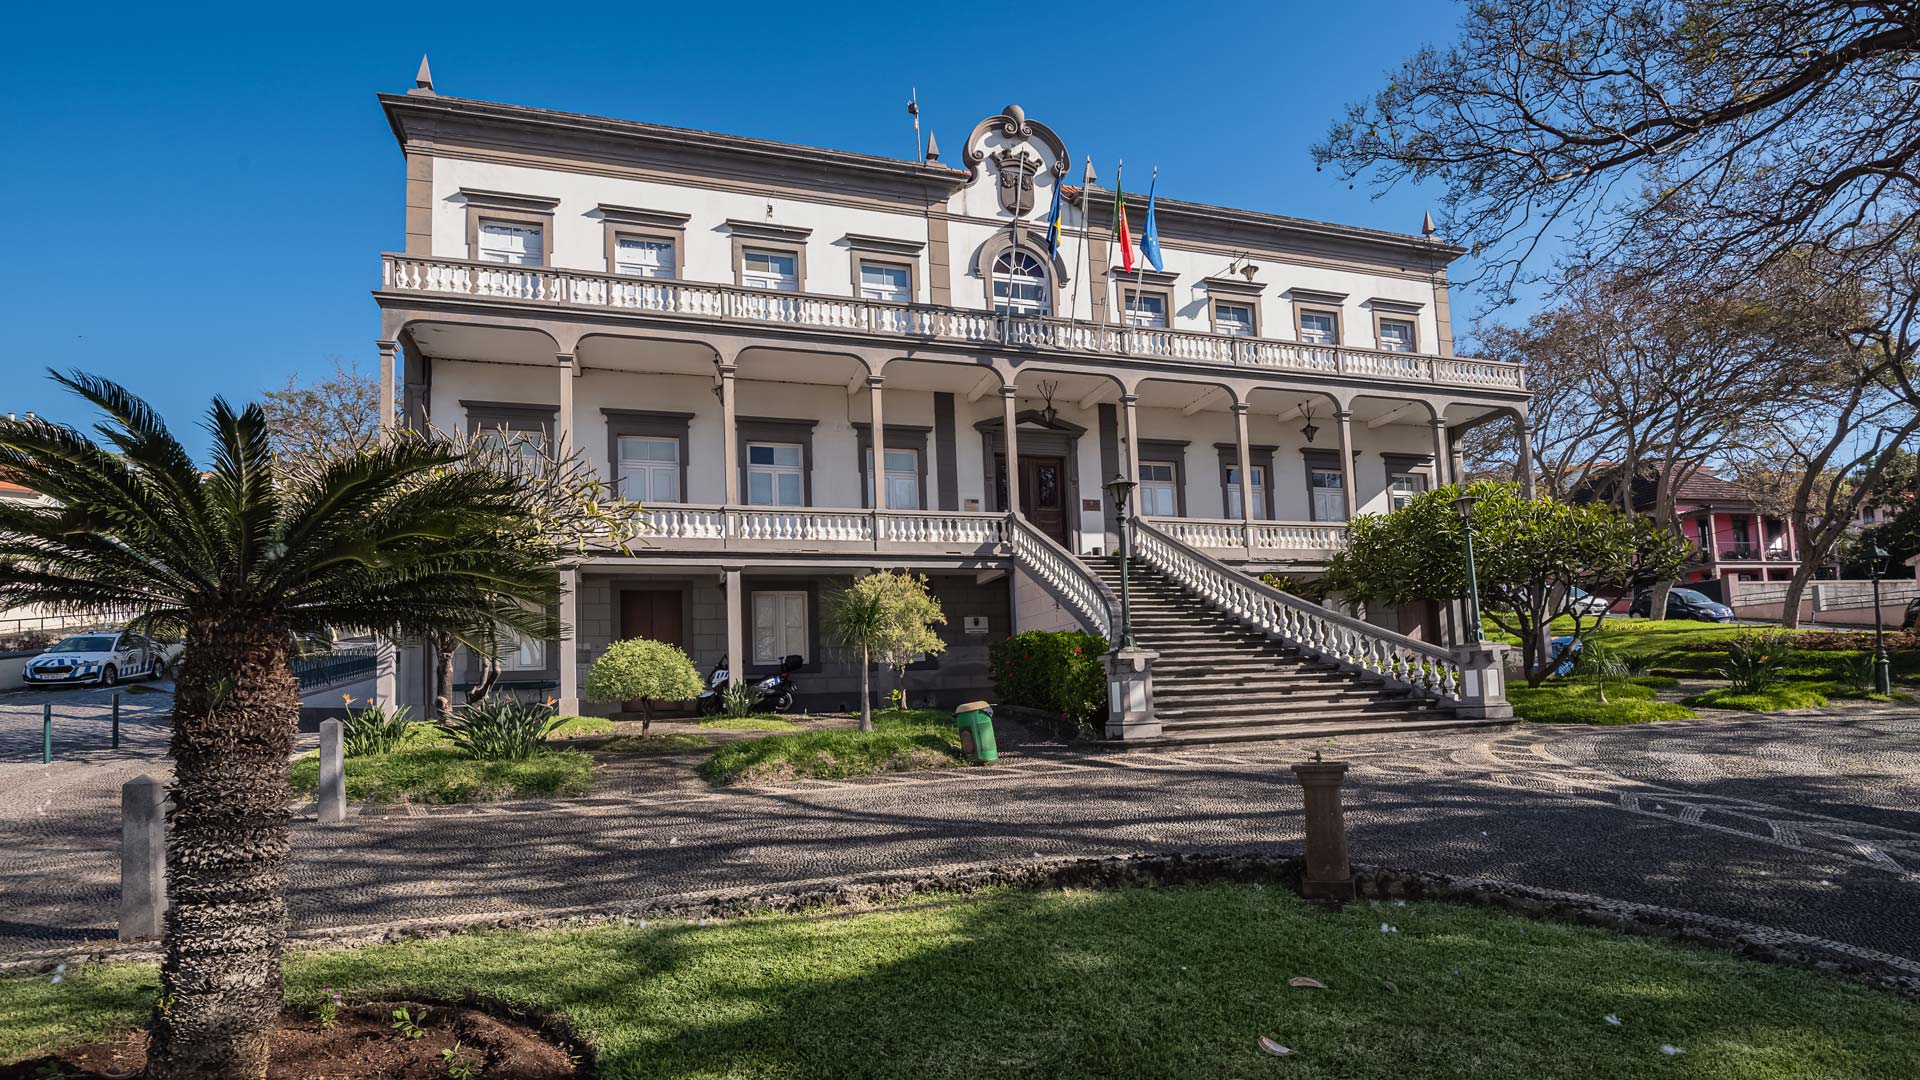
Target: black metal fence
{"points": [[316, 670]]}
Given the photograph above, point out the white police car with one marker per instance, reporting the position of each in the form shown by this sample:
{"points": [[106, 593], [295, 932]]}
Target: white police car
{"points": [[101, 658]]}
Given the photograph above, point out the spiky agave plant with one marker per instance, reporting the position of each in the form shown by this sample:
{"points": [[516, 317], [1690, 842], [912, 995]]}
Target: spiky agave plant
{"points": [[238, 560]]}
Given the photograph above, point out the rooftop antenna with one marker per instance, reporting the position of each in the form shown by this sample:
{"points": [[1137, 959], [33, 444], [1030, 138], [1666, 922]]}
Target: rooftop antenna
{"points": [[913, 110]]}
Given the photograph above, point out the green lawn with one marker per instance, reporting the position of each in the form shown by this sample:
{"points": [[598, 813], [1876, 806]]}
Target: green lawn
{"points": [[1662, 646], [652, 744], [437, 773], [1169, 982], [1576, 701], [574, 727], [900, 741], [749, 723]]}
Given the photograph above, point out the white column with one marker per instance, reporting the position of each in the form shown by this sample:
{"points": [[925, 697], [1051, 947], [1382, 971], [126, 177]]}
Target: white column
{"points": [[388, 393], [878, 472], [1348, 481], [1246, 474], [736, 631], [729, 444], [1009, 407], [386, 660], [1524, 442], [567, 649], [1130, 403], [563, 443], [1441, 474]]}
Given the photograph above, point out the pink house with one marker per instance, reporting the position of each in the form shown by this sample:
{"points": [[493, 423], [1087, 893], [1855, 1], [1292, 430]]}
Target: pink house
{"points": [[1731, 536]]}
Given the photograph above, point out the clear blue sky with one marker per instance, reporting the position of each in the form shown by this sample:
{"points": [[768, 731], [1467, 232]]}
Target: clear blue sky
{"points": [[198, 194]]}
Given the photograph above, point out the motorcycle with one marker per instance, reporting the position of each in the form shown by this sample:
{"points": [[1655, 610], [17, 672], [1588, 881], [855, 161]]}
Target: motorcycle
{"points": [[776, 691]]}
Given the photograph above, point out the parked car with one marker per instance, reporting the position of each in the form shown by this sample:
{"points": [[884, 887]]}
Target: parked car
{"points": [[101, 658], [1587, 604], [1684, 604]]}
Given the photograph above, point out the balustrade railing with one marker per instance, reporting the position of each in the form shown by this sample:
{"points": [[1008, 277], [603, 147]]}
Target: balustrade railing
{"points": [[1228, 534], [549, 285], [1322, 632], [1064, 577], [731, 526]]}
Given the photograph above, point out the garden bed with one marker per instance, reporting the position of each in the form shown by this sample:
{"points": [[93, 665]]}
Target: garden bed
{"points": [[1077, 981], [1577, 701], [362, 1041], [901, 741]]}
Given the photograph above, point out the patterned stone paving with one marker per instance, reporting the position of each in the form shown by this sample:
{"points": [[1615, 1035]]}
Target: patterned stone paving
{"points": [[1806, 824]]}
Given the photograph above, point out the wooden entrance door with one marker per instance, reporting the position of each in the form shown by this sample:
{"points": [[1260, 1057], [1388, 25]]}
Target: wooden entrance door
{"points": [[655, 614], [1043, 495]]}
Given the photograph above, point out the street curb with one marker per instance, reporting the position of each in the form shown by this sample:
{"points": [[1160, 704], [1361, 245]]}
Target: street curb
{"points": [[1884, 971]]}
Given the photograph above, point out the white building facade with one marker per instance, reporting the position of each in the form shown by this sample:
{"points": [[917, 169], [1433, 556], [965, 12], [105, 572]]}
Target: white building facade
{"points": [[726, 326]]}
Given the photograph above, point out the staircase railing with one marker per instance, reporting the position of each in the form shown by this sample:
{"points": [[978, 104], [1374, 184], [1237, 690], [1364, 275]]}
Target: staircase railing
{"points": [[1322, 632], [1065, 578]]}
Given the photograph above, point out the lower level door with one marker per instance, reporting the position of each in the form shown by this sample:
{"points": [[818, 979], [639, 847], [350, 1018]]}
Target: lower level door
{"points": [[655, 614]]}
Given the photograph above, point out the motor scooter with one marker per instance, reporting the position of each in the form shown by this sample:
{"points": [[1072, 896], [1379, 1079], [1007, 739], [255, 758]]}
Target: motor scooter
{"points": [[776, 690]]}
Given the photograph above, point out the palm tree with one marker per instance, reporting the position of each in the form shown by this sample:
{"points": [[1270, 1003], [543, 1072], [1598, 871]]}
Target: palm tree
{"points": [[395, 539], [857, 619]]}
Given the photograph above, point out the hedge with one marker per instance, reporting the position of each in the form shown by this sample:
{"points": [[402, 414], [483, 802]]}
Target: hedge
{"points": [[1058, 672]]}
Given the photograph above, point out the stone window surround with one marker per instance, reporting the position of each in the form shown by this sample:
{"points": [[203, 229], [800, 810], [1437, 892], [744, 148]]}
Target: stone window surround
{"points": [[1174, 452], [996, 246], [1309, 301], [1127, 289], [1260, 456], [885, 250], [505, 206], [1326, 459], [776, 429], [1396, 311], [757, 584], [621, 221], [647, 422], [1219, 293], [787, 240], [1144, 280], [510, 416], [899, 437]]}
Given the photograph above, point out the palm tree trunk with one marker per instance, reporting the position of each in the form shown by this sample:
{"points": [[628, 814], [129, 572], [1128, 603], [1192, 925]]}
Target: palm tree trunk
{"points": [[236, 706], [866, 691]]}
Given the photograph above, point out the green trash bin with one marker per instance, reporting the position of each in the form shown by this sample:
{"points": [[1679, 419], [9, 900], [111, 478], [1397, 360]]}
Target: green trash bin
{"points": [[975, 721]]}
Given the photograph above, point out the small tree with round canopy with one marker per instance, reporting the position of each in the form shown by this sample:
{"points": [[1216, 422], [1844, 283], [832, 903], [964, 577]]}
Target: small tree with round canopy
{"points": [[643, 670]]}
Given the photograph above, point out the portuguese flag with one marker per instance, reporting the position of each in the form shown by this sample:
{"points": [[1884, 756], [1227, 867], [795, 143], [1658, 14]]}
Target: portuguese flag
{"points": [[1120, 234]]}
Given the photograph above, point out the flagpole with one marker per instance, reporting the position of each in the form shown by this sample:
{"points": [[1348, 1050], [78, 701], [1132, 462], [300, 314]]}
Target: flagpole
{"points": [[1126, 317], [1140, 275], [1086, 238]]}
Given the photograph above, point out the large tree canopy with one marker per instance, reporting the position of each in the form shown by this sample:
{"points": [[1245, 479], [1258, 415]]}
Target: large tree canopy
{"points": [[1690, 131]]}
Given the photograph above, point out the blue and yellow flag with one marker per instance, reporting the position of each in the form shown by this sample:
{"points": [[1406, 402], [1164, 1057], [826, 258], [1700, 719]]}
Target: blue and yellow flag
{"points": [[1150, 235], [1053, 219]]}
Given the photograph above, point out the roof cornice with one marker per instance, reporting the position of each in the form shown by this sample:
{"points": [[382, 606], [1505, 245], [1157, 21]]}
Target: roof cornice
{"points": [[1179, 212], [403, 109]]}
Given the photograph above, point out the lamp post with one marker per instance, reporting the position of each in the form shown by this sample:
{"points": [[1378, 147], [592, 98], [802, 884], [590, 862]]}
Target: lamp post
{"points": [[1121, 490], [1465, 505], [1882, 671]]}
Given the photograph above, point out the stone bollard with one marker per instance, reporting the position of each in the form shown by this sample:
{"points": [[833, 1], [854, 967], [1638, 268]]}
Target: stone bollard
{"points": [[143, 857], [1130, 694], [1329, 877], [333, 774]]}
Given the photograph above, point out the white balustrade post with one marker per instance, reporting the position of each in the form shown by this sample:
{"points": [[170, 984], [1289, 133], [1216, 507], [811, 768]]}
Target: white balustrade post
{"points": [[1483, 680], [1344, 421], [1246, 474], [1009, 409]]}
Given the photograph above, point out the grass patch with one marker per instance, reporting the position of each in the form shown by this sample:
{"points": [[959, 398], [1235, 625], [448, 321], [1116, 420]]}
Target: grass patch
{"points": [[652, 744], [900, 741], [435, 773], [1671, 646], [749, 723], [1065, 984], [1577, 701], [574, 727], [1790, 695]]}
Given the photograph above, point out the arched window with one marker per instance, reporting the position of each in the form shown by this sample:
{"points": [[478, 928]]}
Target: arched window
{"points": [[1021, 285]]}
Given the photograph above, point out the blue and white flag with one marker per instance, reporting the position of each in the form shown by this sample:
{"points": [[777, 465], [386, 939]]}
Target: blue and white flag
{"points": [[1150, 235]]}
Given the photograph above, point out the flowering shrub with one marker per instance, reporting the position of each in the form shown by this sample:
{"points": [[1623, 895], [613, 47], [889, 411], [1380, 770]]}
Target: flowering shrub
{"points": [[1057, 672], [1824, 641]]}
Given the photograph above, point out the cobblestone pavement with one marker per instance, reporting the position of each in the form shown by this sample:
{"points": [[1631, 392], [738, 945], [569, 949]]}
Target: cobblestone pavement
{"points": [[1808, 823]]}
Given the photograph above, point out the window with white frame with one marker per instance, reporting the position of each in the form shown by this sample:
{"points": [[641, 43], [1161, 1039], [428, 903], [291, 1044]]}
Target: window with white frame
{"points": [[1329, 498], [523, 654], [776, 475], [764, 269], [1396, 335], [1319, 328], [1159, 489], [890, 282], [643, 256], [1259, 491], [1142, 308], [779, 625], [1021, 285], [649, 469], [1404, 487], [1235, 320], [902, 480], [510, 242]]}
